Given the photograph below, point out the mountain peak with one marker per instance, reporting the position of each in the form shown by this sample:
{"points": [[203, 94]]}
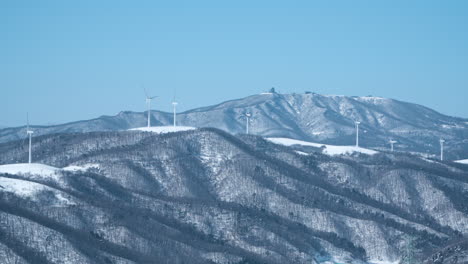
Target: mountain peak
{"points": [[326, 119]]}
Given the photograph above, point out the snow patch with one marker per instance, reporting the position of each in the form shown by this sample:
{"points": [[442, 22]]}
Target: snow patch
{"points": [[290, 142], [43, 171], [328, 149], [429, 160], [20, 187], [163, 129], [383, 262], [341, 150], [33, 169], [83, 167], [301, 153], [371, 98], [27, 189], [452, 126]]}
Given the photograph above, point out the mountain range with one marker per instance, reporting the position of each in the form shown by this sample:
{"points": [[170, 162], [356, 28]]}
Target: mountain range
{"points": [[327, 119], [207, 196], [293, 190]]}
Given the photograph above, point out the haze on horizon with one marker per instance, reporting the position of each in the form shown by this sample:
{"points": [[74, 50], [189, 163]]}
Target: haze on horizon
{"points": [[66, 61]]}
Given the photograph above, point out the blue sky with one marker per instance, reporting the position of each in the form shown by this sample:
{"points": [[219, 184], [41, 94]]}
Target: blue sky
{"points": [[69, 60]]}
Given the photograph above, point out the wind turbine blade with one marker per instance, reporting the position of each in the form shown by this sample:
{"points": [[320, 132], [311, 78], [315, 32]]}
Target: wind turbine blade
{"points": [[146, 93], [27, 121]]}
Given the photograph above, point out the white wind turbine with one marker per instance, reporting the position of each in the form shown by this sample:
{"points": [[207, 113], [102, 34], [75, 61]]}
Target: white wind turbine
{"points": [[441, 141], [247, 118], [148, 103], [29, 133], [174, 105], [357, 132], [391, 143]]}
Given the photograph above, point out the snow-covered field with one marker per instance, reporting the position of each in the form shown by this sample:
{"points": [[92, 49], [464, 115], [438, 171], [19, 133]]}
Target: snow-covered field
{"points": [[26, 188], [20, 187], [26, 168], [164, 129], [328, 149], [30, 189], [465, 161], [45, 171]]}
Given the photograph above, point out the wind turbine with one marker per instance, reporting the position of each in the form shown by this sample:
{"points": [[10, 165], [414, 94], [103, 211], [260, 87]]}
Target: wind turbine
{"points": [[29, 133], [357, 132], [247, 117], [148, 103], [174, 105], [441, 149], [391, 144]]}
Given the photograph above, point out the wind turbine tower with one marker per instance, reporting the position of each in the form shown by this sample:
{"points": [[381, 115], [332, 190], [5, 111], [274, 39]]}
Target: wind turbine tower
{"points": [[357, 132], [247, 117], [29, 133], [148, 103], [441, 149], [391, 144], [174, 105]]}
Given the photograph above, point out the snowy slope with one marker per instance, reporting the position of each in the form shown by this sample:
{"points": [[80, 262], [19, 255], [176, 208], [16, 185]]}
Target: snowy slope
{"points": [[32, 190], [42, 170], [328, 119], [33, 169], [291, 142], [37, 172], [205, 194], [163, 129], [328, 149], [20, 187], [83, 167]]}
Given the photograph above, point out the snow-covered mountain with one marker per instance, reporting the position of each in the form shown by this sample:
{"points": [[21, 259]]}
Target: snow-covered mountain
{"points": [[326, 119], [206, 196], [454, 253], [327, 149]]}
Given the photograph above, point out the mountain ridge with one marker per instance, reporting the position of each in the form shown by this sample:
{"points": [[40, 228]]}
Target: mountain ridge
{"points": [[221, 198], [326, 119]]}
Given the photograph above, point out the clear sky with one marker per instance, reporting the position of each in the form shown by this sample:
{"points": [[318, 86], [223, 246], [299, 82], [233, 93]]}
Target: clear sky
{"points": [[71, 60]]}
